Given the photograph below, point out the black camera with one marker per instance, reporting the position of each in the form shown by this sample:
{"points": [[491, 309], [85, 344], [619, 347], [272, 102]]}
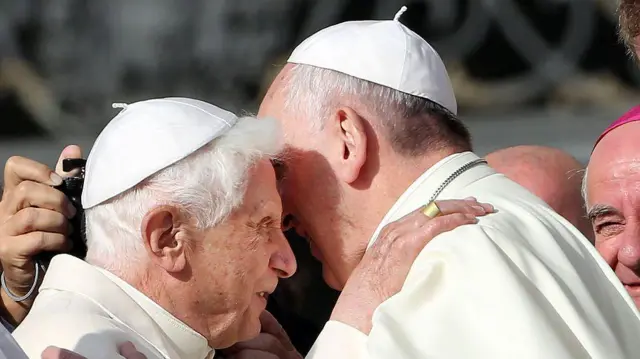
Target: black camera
{"points": [[72, 188]]}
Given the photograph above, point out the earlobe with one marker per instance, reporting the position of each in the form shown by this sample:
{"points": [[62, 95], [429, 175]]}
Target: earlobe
{"points": [[163, 238], [354, 144]]}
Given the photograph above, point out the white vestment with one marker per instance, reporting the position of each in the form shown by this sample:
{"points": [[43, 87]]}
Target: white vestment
{"points": [[521, 284], [91, 311]]}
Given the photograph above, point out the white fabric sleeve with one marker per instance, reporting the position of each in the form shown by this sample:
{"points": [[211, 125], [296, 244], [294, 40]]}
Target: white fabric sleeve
{"points": [[339, 341]]}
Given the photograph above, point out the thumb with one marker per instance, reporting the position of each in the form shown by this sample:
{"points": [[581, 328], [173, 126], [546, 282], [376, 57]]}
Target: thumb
{"points": [[71, 151]]}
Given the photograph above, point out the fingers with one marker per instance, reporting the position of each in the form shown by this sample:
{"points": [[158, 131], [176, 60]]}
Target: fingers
{"points": [[19, 169], [58, 353], [447, 223], [36, 219], [27, 245], [467, 206], [129, 351], [417, 219], [71, 151], [271, 326], [32, 194], [421, 229]]}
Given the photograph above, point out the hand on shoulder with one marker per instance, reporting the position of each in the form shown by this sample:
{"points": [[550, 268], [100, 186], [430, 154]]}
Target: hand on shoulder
{"points": [[384, 268]]}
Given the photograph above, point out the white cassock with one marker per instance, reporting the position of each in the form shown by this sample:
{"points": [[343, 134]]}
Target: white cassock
{"points": [[91, 311], [521, 284]]}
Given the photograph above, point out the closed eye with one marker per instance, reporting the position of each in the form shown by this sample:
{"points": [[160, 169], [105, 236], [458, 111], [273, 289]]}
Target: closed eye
{"points": [[607, 221], [269, 223], [609, 229]]}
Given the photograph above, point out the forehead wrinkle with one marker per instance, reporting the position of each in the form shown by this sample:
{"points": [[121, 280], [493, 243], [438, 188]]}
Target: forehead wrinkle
{"points": [[623, 168]]}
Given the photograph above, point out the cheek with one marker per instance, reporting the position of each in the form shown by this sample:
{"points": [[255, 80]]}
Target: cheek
{"points": [[608, 248], [255, 264], [227, 266]]}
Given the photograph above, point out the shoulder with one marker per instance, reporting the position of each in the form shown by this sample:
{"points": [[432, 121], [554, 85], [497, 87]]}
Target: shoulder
{"points": [[514, 234], [539, 251], [75, 327], [522, 220]]}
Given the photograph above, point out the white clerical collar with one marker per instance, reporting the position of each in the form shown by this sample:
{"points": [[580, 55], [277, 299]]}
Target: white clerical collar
{"points": [[187, 340], [427, 184], [140, 314]]}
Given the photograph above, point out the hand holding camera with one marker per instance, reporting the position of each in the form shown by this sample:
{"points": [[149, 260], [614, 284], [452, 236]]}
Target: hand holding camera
{"points": [[35, 218]]}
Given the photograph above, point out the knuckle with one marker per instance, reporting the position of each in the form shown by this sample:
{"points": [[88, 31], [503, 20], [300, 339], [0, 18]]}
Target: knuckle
{"points": [[435, 227], [419, 221], [28, 218], [392, 235], [12, 163], [40, 240], [24, 188], [386, 230]]}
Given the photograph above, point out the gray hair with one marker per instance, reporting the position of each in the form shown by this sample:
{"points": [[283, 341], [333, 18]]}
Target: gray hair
{"points": [[425, 125], [584, 188], [207, 185]]}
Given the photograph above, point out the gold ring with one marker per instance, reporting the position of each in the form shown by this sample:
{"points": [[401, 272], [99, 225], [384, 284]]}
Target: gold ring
{"points": [[431, 210]]}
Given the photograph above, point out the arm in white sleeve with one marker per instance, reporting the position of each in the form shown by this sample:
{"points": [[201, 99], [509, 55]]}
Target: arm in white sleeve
{"points": [[339, 341], [466, 297]]}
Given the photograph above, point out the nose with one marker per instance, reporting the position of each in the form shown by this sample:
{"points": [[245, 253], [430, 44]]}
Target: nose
{"points": [[283, 261], [629, 251]]}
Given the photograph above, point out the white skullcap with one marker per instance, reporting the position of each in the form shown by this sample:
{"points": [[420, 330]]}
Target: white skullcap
{"points": [[146, 137], [383, 52]]}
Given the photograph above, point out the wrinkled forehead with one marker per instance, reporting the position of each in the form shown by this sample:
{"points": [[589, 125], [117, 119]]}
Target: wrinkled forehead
{"points": [[614, 179]]}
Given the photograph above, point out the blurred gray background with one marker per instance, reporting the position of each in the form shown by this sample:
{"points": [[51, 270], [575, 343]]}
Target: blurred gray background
{"points": [[525, 71]]}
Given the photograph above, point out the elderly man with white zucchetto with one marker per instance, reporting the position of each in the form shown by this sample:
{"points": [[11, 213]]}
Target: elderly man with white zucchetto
{"points": [[183, 237]]}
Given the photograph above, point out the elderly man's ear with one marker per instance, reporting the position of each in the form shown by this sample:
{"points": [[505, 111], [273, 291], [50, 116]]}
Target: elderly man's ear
{"points": [[165, 238]]}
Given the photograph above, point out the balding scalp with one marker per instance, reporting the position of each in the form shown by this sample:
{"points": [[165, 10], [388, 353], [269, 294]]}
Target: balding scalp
{"points": [[551, 174]]}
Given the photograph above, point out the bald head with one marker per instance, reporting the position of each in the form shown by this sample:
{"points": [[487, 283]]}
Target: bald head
{"points": [[549, 173]]}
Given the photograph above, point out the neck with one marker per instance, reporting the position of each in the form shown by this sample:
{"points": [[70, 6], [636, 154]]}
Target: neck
{"points": [[368, 207], [159, 286]]}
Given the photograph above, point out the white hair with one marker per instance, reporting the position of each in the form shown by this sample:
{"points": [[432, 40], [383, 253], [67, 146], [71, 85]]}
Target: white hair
{"points": [[207, 185], [313, 91], [584, 188], [412, 124]]}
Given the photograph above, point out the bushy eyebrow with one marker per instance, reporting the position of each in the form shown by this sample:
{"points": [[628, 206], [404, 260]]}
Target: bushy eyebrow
{"points": [[600, 210]]}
